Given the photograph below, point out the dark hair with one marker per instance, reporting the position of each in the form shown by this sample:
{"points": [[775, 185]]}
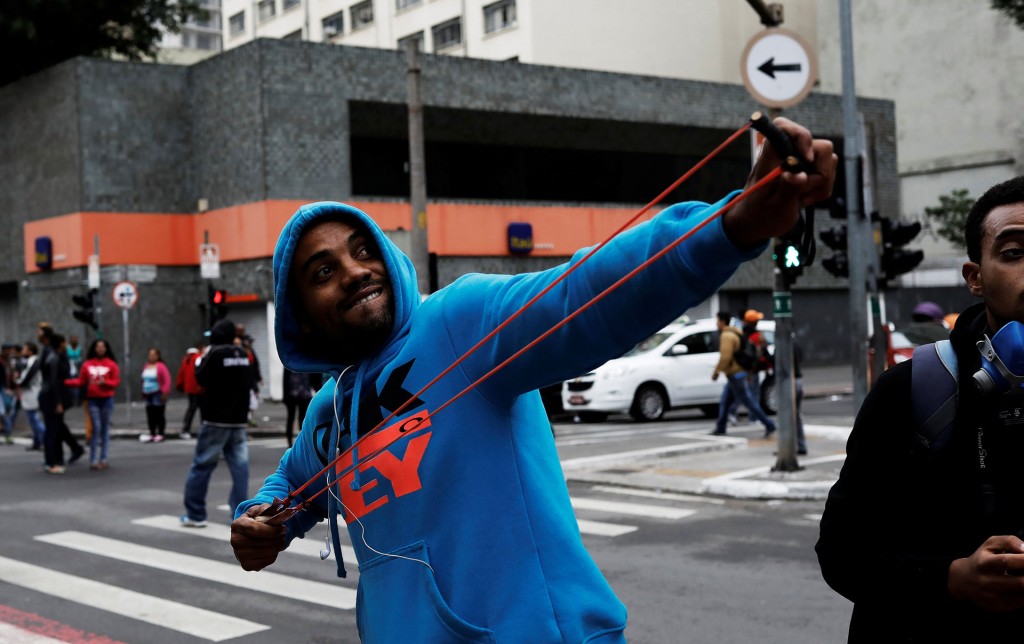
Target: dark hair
{"points": [[91, 353], [1001, 194], [32, 347], [56, 339], [159, 357], [725, 317]]}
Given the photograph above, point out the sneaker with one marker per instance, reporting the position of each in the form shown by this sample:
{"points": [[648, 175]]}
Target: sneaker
{"points": [[145, 438], [94, 466], [734, 420], [184, 436], [769, 431], [158, 438], [716, 433], [187, 522], [103, 465], [55, 469]]}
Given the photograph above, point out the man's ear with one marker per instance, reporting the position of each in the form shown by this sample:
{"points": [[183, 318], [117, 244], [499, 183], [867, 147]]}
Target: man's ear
{"points": [[972, 275]]}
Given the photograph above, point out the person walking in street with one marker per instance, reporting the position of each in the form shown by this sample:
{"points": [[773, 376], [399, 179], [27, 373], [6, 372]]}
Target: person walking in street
{"points": [[298, 391], [100, 376], [15, 362], [468, 508], [67, 401], [922, 531], [736, 378], [50, 401], [29, 384], [755, 339], [185, 382], [74, 354], [156, 388], [225, 374]]}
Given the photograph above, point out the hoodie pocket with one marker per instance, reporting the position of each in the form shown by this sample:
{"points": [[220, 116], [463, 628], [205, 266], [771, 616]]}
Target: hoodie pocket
{"points": [[399, 601]]}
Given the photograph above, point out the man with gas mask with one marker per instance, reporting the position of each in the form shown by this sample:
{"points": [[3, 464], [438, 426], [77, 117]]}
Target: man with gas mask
{"points": [[922, 531]]}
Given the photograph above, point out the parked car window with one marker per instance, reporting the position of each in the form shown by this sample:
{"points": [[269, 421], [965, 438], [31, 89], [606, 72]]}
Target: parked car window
{"points": [[699, 343], [649, 344]]}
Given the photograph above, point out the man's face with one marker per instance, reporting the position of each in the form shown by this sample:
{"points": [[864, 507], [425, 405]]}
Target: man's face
{"points": [[344, 293], [999, 276]]}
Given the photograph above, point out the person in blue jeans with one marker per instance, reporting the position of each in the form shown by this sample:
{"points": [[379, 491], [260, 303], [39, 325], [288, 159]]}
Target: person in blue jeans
{"points": [[736, 387], [30, 383], [224, 371], [100, 376]]}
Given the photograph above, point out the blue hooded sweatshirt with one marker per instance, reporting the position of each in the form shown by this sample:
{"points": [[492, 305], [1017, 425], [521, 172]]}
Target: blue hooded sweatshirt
{"points": [[470, 507]]}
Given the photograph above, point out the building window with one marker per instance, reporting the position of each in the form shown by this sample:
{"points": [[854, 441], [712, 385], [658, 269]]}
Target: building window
{"points": [[334, 25], [416, 37], [500, 15], [362, 14], [208, 42], [267, 9], [402, 4], [290, 4], [447, 34], [295, 35], [236, 23]]}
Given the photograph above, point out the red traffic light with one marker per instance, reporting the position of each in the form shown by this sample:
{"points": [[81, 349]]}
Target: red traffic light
{"points": [[219, 296]]}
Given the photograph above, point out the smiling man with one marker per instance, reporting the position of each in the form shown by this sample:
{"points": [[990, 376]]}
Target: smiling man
{"points": [[922, 531], [459, 513]]}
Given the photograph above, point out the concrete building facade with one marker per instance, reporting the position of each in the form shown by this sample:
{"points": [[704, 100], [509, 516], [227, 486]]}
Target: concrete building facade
{"points": [[152, 160]]}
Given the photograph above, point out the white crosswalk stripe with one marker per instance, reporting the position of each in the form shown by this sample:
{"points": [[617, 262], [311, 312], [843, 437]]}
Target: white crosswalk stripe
{"points": [[197, 622], [225, 573], [219, 532], [11, 634], [635, 509]]}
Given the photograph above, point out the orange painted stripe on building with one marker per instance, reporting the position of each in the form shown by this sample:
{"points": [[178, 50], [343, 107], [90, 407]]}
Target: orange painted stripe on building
{"points": [[250, 231]]}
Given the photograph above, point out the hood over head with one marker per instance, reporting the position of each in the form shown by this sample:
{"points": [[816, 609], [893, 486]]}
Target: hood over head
{"points": [[295, 353], [223, 332]]}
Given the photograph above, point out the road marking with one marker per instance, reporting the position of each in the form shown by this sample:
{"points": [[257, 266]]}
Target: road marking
{"points": [[308, 547], [633, 455], [636, 509], [602, 529], [11, 634], [231, 574], [813, 517], [190, 620], [655, 494]]}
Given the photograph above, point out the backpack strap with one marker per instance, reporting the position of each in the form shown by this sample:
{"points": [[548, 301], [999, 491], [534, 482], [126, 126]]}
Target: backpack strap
{"points": [[934, 392]]}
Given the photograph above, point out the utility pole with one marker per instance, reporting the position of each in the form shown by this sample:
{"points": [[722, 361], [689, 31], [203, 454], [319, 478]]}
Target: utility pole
{"points": [[858, 225], [417, 169], [785, 383]]}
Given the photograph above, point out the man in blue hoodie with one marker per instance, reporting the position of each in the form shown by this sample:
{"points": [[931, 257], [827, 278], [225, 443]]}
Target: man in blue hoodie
{"points": [[459, 512]]}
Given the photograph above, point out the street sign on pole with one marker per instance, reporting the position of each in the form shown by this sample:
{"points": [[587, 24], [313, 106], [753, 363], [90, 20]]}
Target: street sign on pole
{"points": [[209, 261], [779, 69], [125, 294], [94, 271]]}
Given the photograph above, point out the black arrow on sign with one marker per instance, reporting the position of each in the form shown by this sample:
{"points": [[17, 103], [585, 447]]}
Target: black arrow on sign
{"points": [[769, 67]]}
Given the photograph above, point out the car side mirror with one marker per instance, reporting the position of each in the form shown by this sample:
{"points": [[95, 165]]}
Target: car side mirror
{"points": [[678, 350]]}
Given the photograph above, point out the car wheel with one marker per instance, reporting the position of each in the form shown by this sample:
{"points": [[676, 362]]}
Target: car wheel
{"points": [[649, 403], [593, 416], [769, 397]]}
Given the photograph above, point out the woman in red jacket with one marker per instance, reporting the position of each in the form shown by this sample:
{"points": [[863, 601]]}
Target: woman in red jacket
{"points": [[186, 383], [101, 376]]}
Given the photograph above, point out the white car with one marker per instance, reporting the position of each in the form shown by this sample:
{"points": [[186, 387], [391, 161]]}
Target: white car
{"points": [[670, 369]]}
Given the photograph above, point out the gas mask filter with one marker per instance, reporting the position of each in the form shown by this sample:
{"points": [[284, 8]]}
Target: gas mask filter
{"points": [[1002, 358]]}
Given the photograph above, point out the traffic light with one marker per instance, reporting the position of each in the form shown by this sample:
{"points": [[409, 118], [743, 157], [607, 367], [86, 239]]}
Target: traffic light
{"points": [[86, 311], [895, 259], [835, 238], [218, 300], [790, 252]]}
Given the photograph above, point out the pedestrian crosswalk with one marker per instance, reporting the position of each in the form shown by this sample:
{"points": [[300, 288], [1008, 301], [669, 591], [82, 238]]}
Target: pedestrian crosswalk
{"points": [[597, 515]]}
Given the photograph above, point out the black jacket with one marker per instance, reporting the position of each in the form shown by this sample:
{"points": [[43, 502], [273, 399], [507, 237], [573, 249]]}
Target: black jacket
{"points": [[225, 374], [900, 514]]}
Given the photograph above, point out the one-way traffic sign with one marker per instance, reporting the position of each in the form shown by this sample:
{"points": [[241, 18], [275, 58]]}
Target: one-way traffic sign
{"points": [[778, 68]]}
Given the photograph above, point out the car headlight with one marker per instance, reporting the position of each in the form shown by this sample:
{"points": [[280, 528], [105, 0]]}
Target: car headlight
{"points": [[614, 372]]}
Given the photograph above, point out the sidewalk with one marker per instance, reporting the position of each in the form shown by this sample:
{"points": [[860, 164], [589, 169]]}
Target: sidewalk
{"points": [[738, 465]]}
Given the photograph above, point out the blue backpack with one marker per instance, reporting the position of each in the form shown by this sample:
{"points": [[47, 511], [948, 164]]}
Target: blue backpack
{"points": [[933, 393]]}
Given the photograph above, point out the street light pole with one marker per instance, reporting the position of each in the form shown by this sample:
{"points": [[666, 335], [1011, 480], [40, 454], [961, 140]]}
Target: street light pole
{"points": [[859, 235], [418, 252]]}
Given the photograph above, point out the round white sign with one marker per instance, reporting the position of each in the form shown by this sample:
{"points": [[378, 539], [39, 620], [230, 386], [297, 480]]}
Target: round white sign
{"points": [[126, 294], [778, 68]]}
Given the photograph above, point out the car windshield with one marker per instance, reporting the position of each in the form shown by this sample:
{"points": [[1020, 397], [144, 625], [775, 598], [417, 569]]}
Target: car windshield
{"points": [[649, 344]]}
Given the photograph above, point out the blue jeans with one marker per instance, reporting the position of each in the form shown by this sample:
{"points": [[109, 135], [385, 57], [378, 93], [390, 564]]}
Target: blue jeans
{"points": [[38, 428], [736, 388], [212, 442], [754, 386], [100, 411]]}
